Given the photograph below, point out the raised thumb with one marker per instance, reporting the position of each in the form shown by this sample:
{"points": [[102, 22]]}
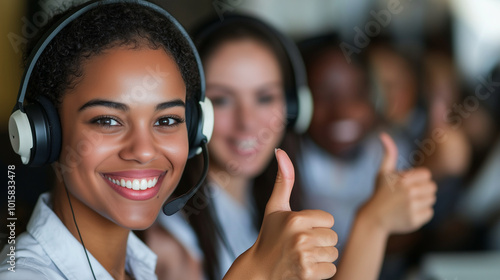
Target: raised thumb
{"points": [[280, 198], [390, 158]]}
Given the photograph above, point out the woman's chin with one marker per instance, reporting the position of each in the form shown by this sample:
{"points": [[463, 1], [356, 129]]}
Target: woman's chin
{"points": [[252, 171], [138, 221], [138, 225]]}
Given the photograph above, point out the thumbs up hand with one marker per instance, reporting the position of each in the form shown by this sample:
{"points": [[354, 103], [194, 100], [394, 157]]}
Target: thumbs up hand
{"points": [[291, 245], [402, 201], [280, 197]]}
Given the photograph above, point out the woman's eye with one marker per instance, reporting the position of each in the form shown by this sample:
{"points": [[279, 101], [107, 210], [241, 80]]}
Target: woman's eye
{"points": [[168, 121], [220, 101], [265, 99], [105, 121]]}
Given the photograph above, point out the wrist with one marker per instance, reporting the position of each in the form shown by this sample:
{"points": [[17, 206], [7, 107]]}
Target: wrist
{"points": [[245, 267], [371, 221]]}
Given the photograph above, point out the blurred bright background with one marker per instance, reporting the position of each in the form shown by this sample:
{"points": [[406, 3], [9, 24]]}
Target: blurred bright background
{"points": [[451, 48]]}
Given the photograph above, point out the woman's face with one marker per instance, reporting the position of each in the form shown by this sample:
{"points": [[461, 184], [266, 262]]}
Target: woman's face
{"points": [[125, 142], [245, 84]]}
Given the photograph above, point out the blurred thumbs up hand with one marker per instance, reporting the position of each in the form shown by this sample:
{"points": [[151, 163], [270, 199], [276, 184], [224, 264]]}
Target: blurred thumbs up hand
{"points": [[291, 245], [402, 201]]}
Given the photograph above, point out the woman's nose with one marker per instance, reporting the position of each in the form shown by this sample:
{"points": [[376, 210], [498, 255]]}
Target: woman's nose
{"points": [[140, 146], [245, 117]]}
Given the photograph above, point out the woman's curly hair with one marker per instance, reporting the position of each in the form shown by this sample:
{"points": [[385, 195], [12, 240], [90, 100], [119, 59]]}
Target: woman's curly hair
{"points": [[59, 68]]}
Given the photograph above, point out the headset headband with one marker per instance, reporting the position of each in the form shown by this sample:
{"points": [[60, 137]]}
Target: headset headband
{"points": [[47, 37]]}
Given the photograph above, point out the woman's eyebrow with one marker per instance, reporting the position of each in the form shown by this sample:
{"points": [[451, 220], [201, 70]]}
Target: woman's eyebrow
{"points": [[170, 104], [271, 85], [218, 87], [123, 107], [105, 103]]}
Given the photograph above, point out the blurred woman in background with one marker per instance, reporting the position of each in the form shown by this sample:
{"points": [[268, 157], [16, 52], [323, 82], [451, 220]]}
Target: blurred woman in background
{"points": [[249, 80]]}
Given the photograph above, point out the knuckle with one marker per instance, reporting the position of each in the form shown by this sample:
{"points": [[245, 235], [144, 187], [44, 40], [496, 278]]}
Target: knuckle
{"points": [[335, 253], [408, 181], [331, 219], [330, 238], [414, 222], [300, 239], [331, 253], [433, 201], [306, 273], [423, 172], [409, 193], [335, 238], [430, 215], [426, 172], [328, 218], [433, 186], [331, 269], [303, 263], [294, 220]]}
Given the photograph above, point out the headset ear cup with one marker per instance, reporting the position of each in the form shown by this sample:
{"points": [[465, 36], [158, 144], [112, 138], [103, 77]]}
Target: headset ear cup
{"points": [[192, 122], [305, 109], [208, 118], [54, 124], [46, 130], [21, 135], [200, 124]]}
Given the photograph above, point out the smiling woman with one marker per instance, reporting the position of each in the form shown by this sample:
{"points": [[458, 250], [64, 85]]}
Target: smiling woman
{"points": [[119, 73], [115, 102]]}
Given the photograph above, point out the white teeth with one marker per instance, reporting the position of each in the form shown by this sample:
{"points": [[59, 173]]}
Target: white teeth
{"points": [[247, 144], [144, 184], [136, 184], [345, 131]]}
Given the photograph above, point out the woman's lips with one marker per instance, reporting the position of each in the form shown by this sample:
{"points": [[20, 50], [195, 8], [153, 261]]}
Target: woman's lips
{"points": [[246, 146], [135, 184]]}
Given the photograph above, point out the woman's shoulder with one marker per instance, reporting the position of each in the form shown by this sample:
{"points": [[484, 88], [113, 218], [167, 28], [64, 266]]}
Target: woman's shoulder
{"points": [[26, 260]]}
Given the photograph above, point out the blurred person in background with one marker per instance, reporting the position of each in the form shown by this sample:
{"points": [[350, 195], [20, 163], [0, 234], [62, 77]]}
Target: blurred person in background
{"points": [[478, 209], [340, 144], [341, 147], [445, 144], [442, 91], [422, 98], [339, 157]]}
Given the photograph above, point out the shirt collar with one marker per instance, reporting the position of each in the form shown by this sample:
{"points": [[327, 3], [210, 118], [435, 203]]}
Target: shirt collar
{"points": [[67, 253]]}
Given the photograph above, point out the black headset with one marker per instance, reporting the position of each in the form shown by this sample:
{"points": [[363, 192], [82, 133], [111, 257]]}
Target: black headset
{"points": [[299, 101], [35, 130]]}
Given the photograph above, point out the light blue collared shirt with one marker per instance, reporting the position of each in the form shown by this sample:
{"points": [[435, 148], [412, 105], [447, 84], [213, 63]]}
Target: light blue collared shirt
{"points": [[47, 250]]}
